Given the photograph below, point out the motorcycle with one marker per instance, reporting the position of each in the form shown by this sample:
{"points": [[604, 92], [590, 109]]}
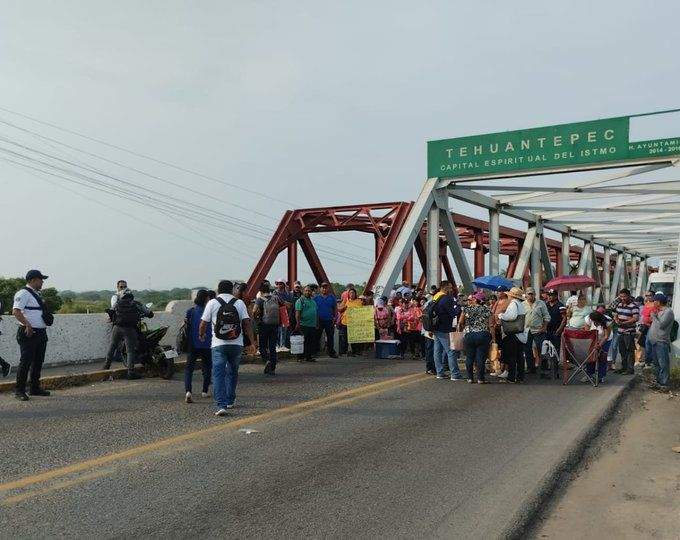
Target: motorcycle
{"points": [[157, 359]]}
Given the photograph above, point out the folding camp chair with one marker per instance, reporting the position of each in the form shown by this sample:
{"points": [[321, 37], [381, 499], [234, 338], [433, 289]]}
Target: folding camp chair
{"points": [[579, 348]]}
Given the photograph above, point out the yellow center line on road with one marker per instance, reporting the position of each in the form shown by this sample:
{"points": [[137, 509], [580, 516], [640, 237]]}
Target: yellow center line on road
{"points": [[55, 487], [312, 405]]}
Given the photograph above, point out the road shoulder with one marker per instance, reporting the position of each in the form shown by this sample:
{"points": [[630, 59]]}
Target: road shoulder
{"points": [[629, 484]]}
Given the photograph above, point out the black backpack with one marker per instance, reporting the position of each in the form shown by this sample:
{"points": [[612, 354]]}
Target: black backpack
{"points": [[183, 339], [430, 317], [127, 313], [228, 321], [47, 316]]}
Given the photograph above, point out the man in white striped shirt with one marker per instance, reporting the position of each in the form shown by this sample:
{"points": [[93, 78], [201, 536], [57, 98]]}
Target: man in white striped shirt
{"points": [[626, 317]]}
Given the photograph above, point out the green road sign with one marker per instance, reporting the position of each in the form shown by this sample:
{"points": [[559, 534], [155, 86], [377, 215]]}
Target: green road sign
{"points": [[568, 146]]}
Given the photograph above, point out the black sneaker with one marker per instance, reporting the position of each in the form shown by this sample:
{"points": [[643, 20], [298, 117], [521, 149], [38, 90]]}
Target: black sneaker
{"points": [[21, 396], [133, 375], [6, 368], [333, 355], [107, 366], [39, 392], [267, 368]]}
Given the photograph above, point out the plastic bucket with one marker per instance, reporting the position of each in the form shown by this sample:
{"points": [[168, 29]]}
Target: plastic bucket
{"points": [[297, 344]]}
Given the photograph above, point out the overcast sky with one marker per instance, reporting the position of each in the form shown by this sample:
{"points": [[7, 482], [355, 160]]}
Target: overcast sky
{"points": [[307, 102]]}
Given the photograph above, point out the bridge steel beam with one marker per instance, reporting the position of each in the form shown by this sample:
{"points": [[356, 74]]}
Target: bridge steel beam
{"points": [[525, 254], [641, 283], [432, 246], [453, 241], [494, 242], [607, 275], [618, 274]]}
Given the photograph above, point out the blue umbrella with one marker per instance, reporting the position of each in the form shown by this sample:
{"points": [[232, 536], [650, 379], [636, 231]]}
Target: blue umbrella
{"points": [[493, 283]]}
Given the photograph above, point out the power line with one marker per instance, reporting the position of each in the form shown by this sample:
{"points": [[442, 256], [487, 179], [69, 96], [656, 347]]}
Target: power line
{"points": [[123, 193], [228, 219], [150, 158], [143, 156]]}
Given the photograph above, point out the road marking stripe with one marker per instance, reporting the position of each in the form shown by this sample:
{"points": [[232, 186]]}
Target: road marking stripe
{"points": [[60, 485], [311, 405]]}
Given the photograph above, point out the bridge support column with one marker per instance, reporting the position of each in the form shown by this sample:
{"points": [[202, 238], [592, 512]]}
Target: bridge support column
{"points": [[641, 283], [524, 256], [432, 246], [565, 254], [494, 243], [291, 259], [607, 275], [479, 253], [618, 275], [536, 278], [407, 272], [441, 198]]}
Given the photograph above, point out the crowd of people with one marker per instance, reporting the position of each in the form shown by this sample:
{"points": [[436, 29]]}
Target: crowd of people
{"points": [[503, 334]]}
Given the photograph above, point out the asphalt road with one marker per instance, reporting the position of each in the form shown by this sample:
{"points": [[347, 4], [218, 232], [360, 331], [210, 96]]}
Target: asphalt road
{"points": [[341, 448]]}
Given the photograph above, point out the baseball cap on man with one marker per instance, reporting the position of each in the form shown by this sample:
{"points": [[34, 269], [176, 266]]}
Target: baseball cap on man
{"points": [[32, 274], [660, 297], [280, 280], [552, 292]]}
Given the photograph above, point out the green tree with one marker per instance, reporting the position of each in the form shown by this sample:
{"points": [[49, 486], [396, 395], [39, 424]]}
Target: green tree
{"points": [[52, 299], [8, 288]]}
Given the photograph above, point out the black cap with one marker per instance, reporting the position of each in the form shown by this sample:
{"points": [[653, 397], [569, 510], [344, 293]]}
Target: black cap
{"points": [[32, 274], [552, 291]]}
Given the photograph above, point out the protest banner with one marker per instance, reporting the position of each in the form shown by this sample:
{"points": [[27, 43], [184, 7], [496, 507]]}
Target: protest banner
{"points": [[360, 326]]}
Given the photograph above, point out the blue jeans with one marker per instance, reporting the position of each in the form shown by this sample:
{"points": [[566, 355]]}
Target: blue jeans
{"points": [[429, 354], [206, 367], [442, 348], [225, 360], [649, 353], [534, 339], [284, 336], [601, 366], [614, 347], [328, 327], [661, 358], [476, 350]]}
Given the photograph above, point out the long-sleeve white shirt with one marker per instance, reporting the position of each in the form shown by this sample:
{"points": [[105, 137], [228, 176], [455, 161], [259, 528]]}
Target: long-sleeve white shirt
{"points": [[514, 309]]}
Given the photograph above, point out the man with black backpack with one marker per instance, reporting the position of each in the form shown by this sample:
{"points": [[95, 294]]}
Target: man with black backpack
{"points": [[230, 319], [267, 315], [127, 315], [34, 318]]}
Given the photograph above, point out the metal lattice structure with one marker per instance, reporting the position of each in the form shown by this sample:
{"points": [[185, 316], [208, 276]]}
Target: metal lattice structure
{"points": [[638, 220], [385, 221]]}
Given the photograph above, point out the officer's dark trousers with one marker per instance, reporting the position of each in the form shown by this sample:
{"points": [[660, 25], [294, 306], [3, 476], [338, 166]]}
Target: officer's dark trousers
{"points": [[32, 357]]}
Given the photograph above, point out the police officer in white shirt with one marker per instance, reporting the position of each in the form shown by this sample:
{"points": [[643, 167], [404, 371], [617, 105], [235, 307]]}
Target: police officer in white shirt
{"points": [[31, 313]]}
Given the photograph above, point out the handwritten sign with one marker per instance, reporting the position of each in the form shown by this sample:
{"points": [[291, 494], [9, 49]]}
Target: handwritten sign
{"points": [[360, 325]]}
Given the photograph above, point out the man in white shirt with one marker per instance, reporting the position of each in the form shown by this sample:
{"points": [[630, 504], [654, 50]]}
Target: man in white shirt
{"points": [[28, 308], [121, 286], [230, 320]]}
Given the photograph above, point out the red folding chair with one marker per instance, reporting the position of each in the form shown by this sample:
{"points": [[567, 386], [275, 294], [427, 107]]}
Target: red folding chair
{"points": [[579, 348]]}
